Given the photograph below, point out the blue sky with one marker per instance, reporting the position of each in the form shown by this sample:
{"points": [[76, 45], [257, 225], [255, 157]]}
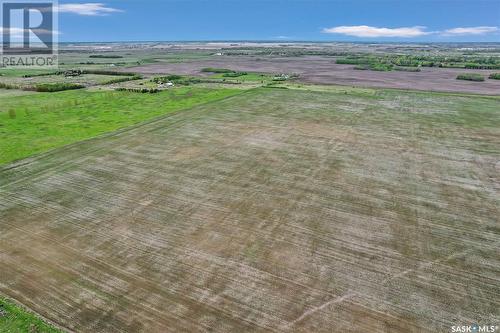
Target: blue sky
{"points": [[323, 20]]}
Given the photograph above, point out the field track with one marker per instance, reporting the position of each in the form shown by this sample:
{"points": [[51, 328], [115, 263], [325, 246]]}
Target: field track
{"points": [[271, 211]]}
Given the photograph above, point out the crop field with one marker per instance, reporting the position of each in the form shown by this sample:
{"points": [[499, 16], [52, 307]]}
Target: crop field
{"points": [[36, 123], [274, 210]]}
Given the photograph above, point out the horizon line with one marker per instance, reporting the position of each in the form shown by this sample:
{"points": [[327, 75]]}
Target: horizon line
{"points": [[282, 41]]}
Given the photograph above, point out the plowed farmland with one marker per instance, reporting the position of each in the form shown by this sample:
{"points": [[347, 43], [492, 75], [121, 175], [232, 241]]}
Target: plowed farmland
{"points": [[324, 70], [271, 211]]}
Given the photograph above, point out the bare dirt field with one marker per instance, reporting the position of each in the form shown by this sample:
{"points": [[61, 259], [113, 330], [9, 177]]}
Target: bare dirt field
{"points": [[322, 70], [271, 211]]}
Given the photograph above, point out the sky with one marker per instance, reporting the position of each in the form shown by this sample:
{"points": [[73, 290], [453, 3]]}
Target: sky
{"points": [[280, 20]]}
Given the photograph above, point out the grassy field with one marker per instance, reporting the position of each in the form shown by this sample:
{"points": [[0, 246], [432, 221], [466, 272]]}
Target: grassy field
{"points": [[20, 72], [264, 78], [86, 79], [14, 319], [273, 210], [36, 123]]}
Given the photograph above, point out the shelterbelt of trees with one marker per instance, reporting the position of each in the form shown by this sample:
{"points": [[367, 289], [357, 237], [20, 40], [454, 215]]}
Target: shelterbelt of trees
{"points": [[389, 62]]}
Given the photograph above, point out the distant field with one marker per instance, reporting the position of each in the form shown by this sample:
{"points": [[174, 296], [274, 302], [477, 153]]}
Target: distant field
{"points": [[324, 70], [348, 210], [265, 78], [36, 123], [86, 80], [19, 72]]}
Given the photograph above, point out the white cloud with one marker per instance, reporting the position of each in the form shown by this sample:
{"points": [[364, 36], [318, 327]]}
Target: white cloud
{"points": [[87, 9], [470, 31], [372, 32], [406, 32]]}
